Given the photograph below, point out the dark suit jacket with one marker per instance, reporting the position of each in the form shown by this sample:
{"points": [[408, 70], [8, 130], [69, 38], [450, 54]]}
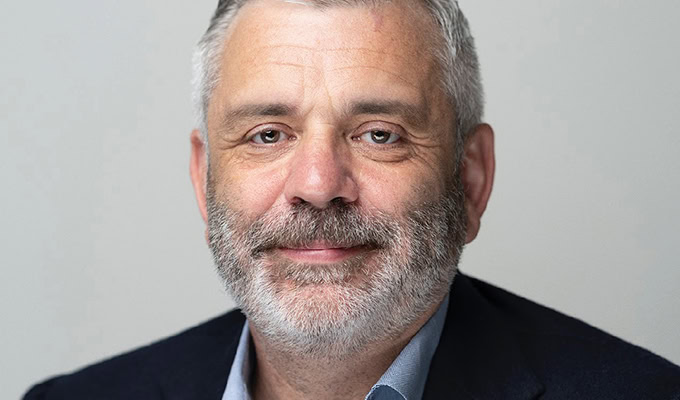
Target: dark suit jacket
{"points": [[495, 345]]}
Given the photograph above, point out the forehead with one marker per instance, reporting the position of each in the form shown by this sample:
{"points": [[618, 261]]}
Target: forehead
{"points": [[409, 16], [292, 47]]}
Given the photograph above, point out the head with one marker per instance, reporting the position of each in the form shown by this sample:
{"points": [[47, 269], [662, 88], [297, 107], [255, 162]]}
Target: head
{"points": [[347, 164]]}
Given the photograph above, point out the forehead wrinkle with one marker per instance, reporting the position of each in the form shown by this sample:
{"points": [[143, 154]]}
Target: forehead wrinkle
{"points": [[300, 2], [399, 77], [335, 49], [268, 54], [290, 64]]}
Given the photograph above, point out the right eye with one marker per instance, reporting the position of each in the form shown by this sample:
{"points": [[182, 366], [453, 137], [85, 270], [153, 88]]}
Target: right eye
{"points": [[269, 136]]}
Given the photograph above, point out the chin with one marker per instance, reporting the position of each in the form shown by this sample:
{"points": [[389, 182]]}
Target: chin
{"points": [[329, 311], [313, 297], [319, 322]]}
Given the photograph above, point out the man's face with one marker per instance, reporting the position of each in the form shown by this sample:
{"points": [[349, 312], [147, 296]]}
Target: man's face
{"points": [[334, 212]]}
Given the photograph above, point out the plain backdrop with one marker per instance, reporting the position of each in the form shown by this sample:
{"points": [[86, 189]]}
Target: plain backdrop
{"points": [[102, 245]]}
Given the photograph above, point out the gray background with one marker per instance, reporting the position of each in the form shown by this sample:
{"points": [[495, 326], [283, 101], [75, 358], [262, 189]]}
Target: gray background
{"points": [[102, 244]]}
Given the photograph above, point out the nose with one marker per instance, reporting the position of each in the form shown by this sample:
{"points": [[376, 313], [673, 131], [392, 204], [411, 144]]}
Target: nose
{"points": [[320, 173]]}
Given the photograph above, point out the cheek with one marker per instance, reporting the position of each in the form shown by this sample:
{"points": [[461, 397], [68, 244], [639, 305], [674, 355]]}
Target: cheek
{"points": [[392, 189], [252, 191]]}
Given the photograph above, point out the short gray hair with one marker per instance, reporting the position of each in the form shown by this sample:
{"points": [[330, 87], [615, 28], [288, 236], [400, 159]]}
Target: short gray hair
{"points": [[457, 56]]}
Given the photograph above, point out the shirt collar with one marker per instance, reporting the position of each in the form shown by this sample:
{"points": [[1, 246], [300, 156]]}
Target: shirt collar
{"points": [[237, 383], [404, 379], [408, 373]]}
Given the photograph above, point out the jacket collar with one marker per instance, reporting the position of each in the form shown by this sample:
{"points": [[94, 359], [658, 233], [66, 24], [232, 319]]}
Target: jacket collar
{"points": [[477, 356]]}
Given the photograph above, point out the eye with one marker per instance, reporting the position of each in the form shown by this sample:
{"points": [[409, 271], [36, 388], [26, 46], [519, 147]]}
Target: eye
{"points": [[380, 137], [269, 136]]}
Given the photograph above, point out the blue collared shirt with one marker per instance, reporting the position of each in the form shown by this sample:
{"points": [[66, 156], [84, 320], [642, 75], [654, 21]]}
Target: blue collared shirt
{"points": [[404, 379]]}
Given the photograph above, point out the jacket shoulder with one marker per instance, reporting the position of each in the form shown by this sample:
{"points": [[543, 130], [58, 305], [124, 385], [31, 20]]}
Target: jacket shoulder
{"points": [[195, 356], [577, 359]]}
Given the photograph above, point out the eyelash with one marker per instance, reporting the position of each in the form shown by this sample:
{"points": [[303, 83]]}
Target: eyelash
{"points": [[387, 143], [252, 138]]}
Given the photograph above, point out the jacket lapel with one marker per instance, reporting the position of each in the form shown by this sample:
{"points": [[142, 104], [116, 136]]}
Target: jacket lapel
{"points": [[204, 361], [477, 356]]}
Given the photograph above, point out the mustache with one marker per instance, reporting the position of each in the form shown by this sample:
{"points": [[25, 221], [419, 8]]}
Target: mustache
{"points": [[339, 225]]}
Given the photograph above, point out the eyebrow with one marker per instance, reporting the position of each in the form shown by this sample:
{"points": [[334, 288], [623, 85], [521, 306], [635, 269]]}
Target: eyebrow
{"points": [[255, 110], [411, 113]]}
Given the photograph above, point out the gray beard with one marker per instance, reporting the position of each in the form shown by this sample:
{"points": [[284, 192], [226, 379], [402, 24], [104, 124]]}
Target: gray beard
{"points": [[332, 311]]}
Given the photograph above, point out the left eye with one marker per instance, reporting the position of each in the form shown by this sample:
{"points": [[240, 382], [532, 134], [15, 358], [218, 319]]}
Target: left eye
{"points": [[269, 136], [380, 137]]}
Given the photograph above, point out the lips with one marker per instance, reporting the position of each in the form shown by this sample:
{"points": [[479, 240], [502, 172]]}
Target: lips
{"points": [[319, 252], [319, 245]]}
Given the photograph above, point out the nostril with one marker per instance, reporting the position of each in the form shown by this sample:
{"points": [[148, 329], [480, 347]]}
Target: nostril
{"points": [[297, 200], [337, 202]]}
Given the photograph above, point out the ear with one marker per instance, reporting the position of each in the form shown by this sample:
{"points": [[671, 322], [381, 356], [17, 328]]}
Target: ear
{"points": [[198, 167], [479, 163]]}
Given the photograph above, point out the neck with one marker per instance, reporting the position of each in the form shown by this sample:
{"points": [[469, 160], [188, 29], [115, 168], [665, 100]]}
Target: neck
{"points": [[283, 374]]}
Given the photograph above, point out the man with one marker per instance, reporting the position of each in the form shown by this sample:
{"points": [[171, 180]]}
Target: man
{"points": [[341, 166]]}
